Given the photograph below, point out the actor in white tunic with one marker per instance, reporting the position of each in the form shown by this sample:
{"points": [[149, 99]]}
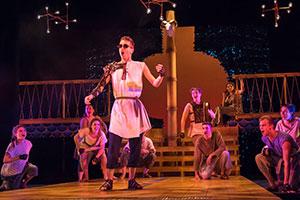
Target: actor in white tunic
{"points": [[129, 118]]}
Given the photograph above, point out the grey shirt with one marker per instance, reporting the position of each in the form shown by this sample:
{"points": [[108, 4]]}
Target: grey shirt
{"points": [[275, 146], [17, 166]]}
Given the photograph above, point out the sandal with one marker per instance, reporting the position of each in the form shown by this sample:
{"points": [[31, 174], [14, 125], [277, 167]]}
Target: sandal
{"points": [[107, 185], [224, 177], [133, 185]]}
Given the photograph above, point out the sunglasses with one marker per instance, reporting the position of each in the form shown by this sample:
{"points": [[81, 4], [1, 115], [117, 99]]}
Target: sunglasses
{"points": [[125, 46]]}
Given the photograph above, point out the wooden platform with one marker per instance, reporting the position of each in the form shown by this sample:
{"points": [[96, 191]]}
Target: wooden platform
{"points": [[179, 160], [237, 187]]}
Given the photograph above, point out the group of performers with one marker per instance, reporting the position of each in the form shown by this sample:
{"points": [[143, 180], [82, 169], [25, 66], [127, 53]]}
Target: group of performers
{"points": [[130, 120], [90, 142]]}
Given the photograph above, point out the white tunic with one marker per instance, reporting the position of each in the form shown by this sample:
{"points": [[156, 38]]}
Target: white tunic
{"points": [[129, 117]]}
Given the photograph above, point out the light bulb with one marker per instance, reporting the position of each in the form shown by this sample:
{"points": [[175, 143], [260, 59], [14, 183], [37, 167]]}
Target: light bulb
{"points": [[174, 5], [148, 10]]}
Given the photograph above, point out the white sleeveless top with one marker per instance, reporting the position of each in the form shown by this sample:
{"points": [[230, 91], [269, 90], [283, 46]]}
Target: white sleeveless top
{"points": [[129, 117]]}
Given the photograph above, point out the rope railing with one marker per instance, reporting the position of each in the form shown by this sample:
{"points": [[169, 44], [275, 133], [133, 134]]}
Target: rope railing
{"points": [[265, 93], [58, 101]]}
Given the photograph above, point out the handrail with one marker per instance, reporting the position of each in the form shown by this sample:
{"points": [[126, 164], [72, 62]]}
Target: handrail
{"points": [[63, 99], [55, 82], [265, 93], [265, 75], [58, 99]]}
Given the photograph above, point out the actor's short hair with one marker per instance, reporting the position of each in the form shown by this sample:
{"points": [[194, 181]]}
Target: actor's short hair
{"points": [[291, 107], [267, 117], [197, 89], [207, 123], [128, 38]]}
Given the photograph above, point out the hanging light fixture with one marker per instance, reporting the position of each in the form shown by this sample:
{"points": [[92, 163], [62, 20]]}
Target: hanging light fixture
{"points": [[276, 9], [147, 4], [64, 19]]}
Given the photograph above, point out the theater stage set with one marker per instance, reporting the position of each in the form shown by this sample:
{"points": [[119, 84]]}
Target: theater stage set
{"points": [[51, 107], [166, 188]]}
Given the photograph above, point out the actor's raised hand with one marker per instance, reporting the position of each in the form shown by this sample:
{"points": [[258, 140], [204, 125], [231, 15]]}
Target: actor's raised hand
{"points": [[160, 69], [211, 113]]}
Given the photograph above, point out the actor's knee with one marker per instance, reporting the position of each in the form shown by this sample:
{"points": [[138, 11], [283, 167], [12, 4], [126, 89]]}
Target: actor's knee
{"points": [[225, 155], [259, 158], [33, 170]]}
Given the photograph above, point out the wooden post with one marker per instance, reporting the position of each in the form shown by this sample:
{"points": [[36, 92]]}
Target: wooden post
{"points": [[285, 89], [63, 100], [171, 80]]}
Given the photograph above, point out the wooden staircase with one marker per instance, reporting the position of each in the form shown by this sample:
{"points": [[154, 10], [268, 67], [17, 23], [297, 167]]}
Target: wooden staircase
{"points": [[179, 160]]}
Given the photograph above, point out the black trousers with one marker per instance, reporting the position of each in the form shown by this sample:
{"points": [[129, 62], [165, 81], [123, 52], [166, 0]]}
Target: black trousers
{"points": [[114, 145]]}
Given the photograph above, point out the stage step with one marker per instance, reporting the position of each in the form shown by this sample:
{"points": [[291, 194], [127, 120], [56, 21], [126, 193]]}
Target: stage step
{"points": [[180, 159]]}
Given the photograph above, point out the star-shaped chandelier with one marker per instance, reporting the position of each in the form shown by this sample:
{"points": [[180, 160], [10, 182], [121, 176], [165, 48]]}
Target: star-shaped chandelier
{"points": [[276, 9]]}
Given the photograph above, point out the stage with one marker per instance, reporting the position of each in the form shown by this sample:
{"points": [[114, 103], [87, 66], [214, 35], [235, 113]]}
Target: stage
{"points": [[167, 188]]}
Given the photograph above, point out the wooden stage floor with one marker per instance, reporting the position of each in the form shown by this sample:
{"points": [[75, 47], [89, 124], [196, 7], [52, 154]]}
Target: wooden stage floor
{"points": [[166, 188]]}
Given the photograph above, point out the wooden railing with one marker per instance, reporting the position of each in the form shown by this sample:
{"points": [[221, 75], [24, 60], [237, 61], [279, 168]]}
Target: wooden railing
{"points": [[264, 93], [63, 100], [58, 101]]}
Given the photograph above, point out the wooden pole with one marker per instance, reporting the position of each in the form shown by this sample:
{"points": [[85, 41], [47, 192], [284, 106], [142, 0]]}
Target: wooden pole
{"points": [[171, 81], [63, 100], [285, 89]]}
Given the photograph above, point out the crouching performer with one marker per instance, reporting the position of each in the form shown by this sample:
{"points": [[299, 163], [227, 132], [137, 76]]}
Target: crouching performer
{"points": [[90, 145], [280, 149], [16, 171], [146, 160], [211, 154]]}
